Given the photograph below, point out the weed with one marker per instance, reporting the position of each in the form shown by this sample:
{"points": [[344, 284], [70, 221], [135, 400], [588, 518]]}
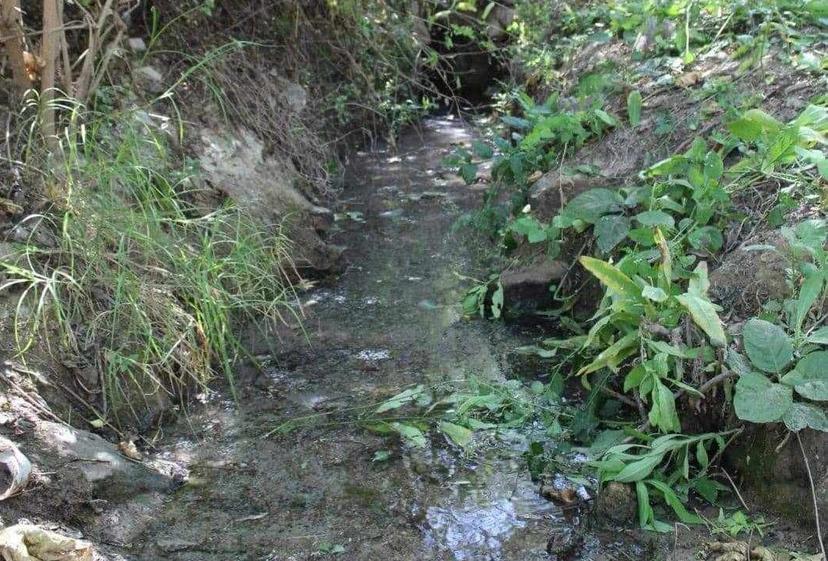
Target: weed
{"points": [[134, 280]]}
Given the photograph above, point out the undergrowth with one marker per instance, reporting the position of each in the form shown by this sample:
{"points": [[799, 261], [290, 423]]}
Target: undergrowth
{"points": [[126, 276], [682, 379]]}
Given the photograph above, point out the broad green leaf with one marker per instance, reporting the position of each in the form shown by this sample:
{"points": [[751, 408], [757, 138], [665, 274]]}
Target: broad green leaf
{"points": [[810, 376], [804, 415], [410, 434], [529, 226], [482, 150], [701, 455], [400, 399], [675, 503], [653, 218], [809, 292], [820, 336], [759, 400], [673, 350], [708, 489], [639, 469], [610, 231], [713, 165], [468, 172], [459, 435], [767, 345], [654, 293], [591, 205], [613, 354], [611, 277], [781, 148], [699, 282], [753, 124], [634, 377], [634, 107], [707, 238], [669, 166], [606, 117], [645, 511], [704, 315], [664, 406], [497, 301]]}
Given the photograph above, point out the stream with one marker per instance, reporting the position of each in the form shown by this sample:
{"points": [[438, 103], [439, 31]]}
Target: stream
{"points": [[392, 319]]}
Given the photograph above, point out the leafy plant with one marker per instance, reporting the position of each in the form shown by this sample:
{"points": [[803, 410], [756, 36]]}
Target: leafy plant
{"points": [[669, 467]]}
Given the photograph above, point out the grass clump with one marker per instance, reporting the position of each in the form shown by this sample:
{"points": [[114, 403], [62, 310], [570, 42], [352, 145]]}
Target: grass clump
{"points": [[125, 275]]}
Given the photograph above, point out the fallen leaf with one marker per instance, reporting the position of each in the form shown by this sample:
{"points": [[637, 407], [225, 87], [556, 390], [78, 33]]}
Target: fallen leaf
{"points": [[688, 79]]}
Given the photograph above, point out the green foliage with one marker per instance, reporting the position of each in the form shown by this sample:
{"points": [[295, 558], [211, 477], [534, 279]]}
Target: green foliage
{"points": [[790, 352], [138, 282], [669, 467], [634, 107], [485, 297]]}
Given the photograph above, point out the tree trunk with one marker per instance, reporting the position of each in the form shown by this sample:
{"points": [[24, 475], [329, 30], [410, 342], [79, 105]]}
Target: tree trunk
{"points": [[49, 50], [10, 27]]}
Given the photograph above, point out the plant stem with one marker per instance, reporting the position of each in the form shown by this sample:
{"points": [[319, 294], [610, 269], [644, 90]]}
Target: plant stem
{"points": [[813, 496]]}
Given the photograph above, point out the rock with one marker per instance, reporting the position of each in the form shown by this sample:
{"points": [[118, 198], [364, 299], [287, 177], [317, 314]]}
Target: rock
{"points": [[527, 288], [136, 45], [149, 79], [94, 464], [171, 545], [564, 543], [747, 279], [294, 96], [616, 502], [264, 186], [498, 22], [27, 542]]}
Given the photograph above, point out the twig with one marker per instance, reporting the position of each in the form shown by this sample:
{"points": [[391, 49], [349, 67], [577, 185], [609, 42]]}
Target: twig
{"points": [[715, 380], [736, 490], [620, 397], [813, 496]]}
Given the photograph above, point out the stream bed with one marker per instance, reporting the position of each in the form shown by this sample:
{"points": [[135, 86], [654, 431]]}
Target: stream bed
{"points": [[390, 320]]}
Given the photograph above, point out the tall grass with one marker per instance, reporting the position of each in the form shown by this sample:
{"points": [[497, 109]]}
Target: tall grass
{"points": [[126, 274]]}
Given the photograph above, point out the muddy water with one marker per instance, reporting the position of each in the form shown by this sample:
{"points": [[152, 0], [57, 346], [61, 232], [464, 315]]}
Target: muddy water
{"points": [[390, 320]]}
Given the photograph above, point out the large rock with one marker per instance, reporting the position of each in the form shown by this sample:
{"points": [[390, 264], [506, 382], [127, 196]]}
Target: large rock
{"points": [[91, 465], [264, 185]]}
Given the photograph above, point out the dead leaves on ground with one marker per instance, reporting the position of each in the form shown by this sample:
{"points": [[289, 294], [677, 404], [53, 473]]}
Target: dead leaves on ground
{"points": [[741, 551]]}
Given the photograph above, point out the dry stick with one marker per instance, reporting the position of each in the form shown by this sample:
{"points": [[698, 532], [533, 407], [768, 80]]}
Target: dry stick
{"points": [[813, 496], [736, 490], [82, 86]]}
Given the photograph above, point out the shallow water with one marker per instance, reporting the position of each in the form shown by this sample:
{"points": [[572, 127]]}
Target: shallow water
{"points": [[390, 320]]}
